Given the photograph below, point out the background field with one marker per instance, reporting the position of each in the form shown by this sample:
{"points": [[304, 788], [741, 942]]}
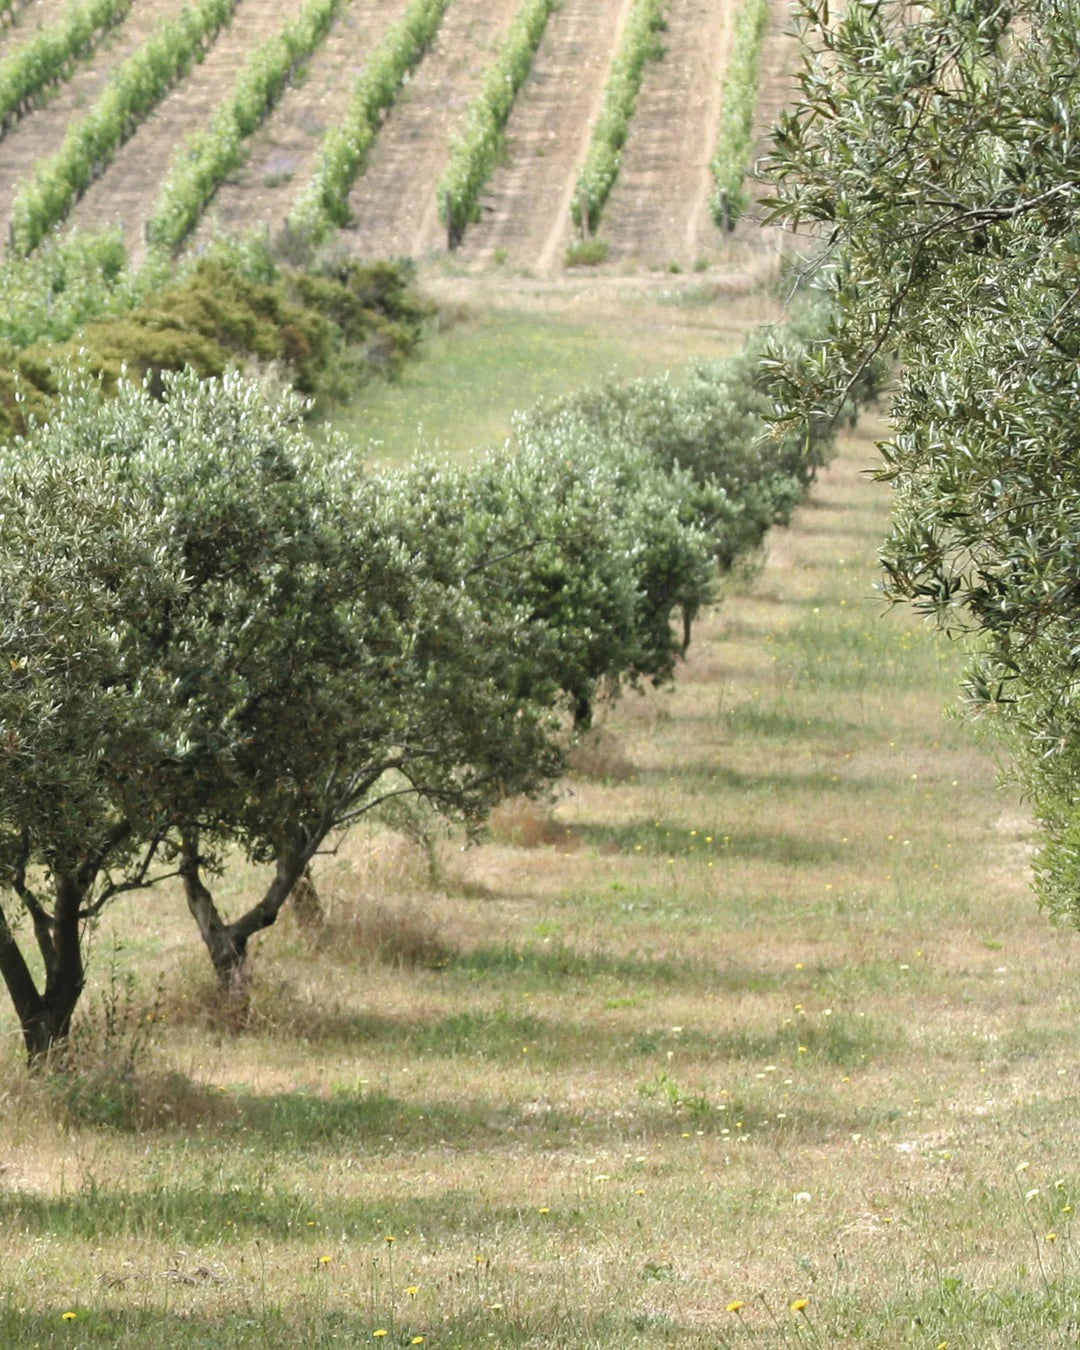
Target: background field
{"points": [[658, 214]]}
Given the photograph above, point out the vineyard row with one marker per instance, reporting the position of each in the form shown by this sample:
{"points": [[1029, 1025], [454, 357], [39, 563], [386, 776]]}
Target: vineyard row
{"points": [[136, 88]]}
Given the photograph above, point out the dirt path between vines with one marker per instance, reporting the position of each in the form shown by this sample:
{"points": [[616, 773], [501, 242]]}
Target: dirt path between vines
{"points": [[128, 191], [777, 85], [284, 152], [42, 133], [658, 211], [526, 203], [394, 202]]}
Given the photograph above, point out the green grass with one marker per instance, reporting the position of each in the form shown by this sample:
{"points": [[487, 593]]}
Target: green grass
{"points": [[460, 395]]}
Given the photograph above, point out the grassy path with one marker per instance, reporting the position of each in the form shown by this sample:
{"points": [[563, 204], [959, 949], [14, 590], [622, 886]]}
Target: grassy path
{"points": [[760, 1011]]}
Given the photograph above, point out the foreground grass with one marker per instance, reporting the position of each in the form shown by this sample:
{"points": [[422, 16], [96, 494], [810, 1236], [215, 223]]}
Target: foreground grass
{"points": [[759, 1012]]}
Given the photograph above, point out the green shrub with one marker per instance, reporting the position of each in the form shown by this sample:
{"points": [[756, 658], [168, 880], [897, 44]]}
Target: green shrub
{"points": [[329, 332], [587, 253]]}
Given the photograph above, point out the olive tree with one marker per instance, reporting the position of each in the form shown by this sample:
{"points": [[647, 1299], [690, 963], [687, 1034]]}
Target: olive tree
{"points": [[705, 443], [593, 550], [298, 654], [933, 162], [84, 718]]}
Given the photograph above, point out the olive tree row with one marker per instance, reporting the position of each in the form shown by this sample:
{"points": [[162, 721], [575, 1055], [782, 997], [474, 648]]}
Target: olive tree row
{"points": [[224, 637], [933, 161]]}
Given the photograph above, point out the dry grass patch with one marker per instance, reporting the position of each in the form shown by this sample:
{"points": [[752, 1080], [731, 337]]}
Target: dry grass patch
{"points": [[526, 824]]}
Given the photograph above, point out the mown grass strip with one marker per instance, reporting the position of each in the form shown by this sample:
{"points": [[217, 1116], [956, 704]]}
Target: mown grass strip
{"points": [[324, 203], [201, 163], [474, 154], [136, 88], [729, 162], [640, 43], [48, 59]]}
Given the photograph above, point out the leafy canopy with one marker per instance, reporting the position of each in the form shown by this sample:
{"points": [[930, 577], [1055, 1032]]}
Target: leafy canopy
{"points": [[934, 159]]}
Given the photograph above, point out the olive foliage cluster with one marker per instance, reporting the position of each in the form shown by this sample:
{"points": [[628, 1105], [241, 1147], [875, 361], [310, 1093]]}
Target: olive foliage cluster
{"points": [[220, 638], [934, 161]]}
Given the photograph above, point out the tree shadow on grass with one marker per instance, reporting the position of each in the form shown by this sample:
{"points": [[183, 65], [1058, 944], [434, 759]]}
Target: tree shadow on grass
{"points": [[712, 843], [225, 1197], [557, 1323], [557, 965]]}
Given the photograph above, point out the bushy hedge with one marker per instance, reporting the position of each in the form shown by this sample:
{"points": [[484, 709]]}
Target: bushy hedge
{"points": [[201, 163], [134, 90], [730, 159], [640, 43], [48, 58], [227, 311], [475, 152], [324, 203]]}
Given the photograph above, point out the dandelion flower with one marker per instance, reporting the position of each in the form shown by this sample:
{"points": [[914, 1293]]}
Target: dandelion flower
{"points": [[412, 1290], [735, 1305], [544, 1209], [389, 1239], [417, 1340], [69, 1316], [325, 1260], [799, 1304], [1051, 1237], [382, 1331]]}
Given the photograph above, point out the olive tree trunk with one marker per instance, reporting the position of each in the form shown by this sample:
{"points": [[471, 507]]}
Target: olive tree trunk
{"points": [[227, 942], [45, 1014]]}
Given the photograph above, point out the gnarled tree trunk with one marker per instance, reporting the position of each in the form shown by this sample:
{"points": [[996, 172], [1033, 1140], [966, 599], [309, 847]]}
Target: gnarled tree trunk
{"points": [[45, 1015], [227, 942]]}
